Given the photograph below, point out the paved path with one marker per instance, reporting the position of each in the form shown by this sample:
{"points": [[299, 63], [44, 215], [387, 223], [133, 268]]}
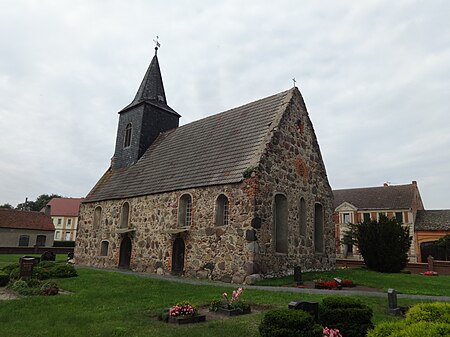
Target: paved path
{"points": [[276, 289]]}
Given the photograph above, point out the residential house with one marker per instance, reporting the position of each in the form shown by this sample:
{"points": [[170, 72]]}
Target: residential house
{"points": [[25, 229], [64, 213], [359, 204], [231, 196]]}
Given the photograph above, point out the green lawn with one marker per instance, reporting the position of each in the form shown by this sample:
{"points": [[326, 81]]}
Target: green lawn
{"points": [[106, 303], [403, 283]]}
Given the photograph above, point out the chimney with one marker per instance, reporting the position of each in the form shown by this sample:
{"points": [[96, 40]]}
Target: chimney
{"points": [[414, 182], [385, 184], [47, 210]]}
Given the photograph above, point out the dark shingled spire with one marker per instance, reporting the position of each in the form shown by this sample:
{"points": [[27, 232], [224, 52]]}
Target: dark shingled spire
{"points": [[152, 88]]}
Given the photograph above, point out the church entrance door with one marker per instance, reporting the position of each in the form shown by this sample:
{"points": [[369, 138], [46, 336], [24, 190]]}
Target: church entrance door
{"points": [[178, 256], [125, 253]]}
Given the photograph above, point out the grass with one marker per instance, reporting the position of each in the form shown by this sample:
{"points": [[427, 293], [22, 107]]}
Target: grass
{"points": [[403, 283], [106, 303]]}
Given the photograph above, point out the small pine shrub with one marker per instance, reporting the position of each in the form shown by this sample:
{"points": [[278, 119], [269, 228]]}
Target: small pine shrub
{"points": [[15, 273], [41, 272], [46, 264], [49, 288], [8, 268], [289, 323], [62, 271], [350, 316], [21, 287], [4, 279]]}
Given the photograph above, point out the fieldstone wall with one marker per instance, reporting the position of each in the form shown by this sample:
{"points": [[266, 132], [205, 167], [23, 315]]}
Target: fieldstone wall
{"points": [[292, 165], [215, 252]]}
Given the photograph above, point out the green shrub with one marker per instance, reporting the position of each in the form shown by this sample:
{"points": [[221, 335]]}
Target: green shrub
{"points": [[350, 316], [62, 271], [63, 243], [9, 268], [46, 264], [403, 329], [437, 312], [33, 283], [15, 274], [289, 323], [41, 273], [4, 279], [22, 288], [49, 288]]}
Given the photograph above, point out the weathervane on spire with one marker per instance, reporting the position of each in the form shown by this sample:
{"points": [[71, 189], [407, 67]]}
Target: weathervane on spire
{"points": [[293, 80], [157, 43]]}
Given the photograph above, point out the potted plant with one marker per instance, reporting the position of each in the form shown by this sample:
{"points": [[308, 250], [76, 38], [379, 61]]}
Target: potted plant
{"points": [[231, 306], [184, 313]]}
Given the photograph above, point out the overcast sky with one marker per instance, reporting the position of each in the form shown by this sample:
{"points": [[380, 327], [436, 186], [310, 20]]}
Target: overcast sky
{"points": [[375, 76]]}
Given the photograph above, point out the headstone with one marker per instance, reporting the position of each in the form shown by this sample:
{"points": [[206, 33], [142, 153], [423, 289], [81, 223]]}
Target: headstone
{"points": [[430, 261], [48, 256], [392, 299], [338, 280], [298, 275], [26, 266], [310, 307]]}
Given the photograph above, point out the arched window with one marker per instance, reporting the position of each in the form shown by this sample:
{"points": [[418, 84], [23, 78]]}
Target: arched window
{"points": [[125, 215], [97, 217], [318, 228], [280, 218], [127, 138], [222, 210], [185, 211], [104, 248], [302, 217]]}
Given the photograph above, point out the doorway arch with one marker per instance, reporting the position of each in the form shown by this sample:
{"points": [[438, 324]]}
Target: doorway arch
{"points": [[178, 249], [125, 253]]}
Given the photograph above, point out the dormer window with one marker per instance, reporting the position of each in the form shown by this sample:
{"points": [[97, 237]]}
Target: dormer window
{"points": [[127, 140]]}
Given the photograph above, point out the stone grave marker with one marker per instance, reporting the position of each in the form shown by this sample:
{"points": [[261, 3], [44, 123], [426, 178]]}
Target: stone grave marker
{"points": [[310, 307], [298, 275], [26, 266]]}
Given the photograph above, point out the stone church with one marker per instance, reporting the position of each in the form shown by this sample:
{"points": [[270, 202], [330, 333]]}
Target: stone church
{"points": [[239, 193]]}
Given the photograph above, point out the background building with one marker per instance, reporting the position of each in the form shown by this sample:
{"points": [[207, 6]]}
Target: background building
{"points": [[64, 213]]}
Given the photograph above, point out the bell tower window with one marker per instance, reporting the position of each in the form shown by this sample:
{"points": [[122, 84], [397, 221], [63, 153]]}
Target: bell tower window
{"points": [[127, 140]]}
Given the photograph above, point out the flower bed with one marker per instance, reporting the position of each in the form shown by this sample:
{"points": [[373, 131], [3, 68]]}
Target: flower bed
{"points": [[184, 313], [320, 284], [231, 306], [430, 273]]}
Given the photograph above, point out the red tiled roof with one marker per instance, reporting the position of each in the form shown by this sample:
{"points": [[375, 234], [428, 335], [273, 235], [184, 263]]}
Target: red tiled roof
{"points": [[10, 218], [64, 206]]}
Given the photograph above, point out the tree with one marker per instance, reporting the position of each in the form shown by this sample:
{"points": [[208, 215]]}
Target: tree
{"points": [[383, 244], [444, 243], [8, 206], [37, 205]]}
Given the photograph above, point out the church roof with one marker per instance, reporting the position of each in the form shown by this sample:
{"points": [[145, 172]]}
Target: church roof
{"points": [[151, 89], [377, 198], [212, 151], [433, 220], [11, 218]]}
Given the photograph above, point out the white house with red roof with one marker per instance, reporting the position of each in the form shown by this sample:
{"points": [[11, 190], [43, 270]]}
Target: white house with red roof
{"points": [[64, 213], [25, 229]]}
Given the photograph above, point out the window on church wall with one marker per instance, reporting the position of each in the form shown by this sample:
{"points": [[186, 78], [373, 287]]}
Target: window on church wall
{"points": [[127, 138], [318, 228], [97, 217], [24, 240], [222, 208], [302, 217], [125, 215], [185, 211], [104, 248], [280, 217]]}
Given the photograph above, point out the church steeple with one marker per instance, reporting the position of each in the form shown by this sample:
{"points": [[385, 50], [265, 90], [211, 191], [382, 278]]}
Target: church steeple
{"points": [[151, 88], [142, 120]]}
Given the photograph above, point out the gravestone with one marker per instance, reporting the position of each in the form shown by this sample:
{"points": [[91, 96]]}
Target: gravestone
{"points": [[430, 261], [311, 308], [48, 256], [26, 266], [392, 299], [298, 275]]}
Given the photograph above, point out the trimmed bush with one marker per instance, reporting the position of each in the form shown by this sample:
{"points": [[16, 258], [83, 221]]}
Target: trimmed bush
{"points": [[4, 279], [422, 320], [438, 312], [350, 316], [22, 288], [289, 323], [62, 271], [15, 273]]}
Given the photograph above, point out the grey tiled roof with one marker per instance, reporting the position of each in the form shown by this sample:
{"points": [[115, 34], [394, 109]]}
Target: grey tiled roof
{"points": [[211, 151], [377, 198], [433, 220]]}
